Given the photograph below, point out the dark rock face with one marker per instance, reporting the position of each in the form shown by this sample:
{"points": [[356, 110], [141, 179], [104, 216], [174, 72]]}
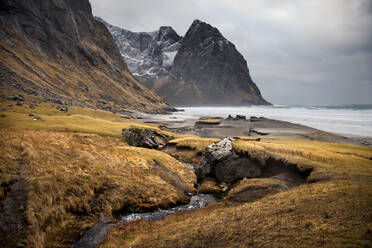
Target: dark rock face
{"points": [[221, 162], [56, 50], [149, 55], [217, 70], [207, 68], [141, 137]]}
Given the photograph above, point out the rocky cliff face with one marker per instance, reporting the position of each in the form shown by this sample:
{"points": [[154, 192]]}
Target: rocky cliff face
{"points": [[202, 68], [56, 50], [150, 55]]}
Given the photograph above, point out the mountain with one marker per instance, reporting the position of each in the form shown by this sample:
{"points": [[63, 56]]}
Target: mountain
{"points": [[57, 51], [150, 55], [202, 68]]}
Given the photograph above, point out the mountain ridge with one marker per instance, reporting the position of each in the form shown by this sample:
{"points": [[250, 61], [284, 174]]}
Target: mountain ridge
{"points": [[56, 51], [205, 68]]}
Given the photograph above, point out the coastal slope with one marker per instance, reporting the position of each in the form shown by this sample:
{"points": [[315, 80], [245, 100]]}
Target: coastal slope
{"points": [[201, 69], [57, 51]]}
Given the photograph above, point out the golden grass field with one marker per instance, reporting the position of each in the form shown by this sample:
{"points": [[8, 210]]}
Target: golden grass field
{"points": [[59, 174]]}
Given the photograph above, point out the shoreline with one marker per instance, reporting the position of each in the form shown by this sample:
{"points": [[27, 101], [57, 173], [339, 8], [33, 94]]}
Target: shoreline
{"points": [[252, 126]]}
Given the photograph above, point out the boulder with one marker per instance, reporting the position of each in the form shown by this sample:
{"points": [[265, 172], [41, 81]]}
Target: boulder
{"points": [[255, 119], [210, 118], [17, 98], [62, 108], [141, 137], [221, 162], [208, 122], [237, 118], [240, 117]]}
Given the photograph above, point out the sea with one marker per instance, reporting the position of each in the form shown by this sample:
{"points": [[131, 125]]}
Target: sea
{"points": [[351, 120]]}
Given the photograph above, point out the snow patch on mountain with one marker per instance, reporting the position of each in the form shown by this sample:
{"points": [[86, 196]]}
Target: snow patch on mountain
{"points": [[149, 55]]}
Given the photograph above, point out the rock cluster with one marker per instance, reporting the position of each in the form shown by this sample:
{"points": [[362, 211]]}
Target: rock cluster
{"points": [[237, 118], [221, 162], [141, 137]]}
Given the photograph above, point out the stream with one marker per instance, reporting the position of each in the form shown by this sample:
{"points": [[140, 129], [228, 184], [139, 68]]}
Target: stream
{"points": [[196, 201], [93, 236]]}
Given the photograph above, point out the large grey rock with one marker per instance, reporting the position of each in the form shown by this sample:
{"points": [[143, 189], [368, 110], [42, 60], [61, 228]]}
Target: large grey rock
{"points": [[225, 165], [141, 137]]}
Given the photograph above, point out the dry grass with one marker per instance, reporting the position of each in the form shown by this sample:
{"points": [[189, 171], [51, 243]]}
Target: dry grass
{"points": [[70, 176], [210, 187], [66, 179], [188, 149], [194, 143], [328, 160], [332, 214], [77, 119], [335, 211], [255, 188]]}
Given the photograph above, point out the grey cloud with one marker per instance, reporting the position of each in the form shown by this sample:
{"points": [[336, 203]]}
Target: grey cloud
{"points": [[312, 52]]}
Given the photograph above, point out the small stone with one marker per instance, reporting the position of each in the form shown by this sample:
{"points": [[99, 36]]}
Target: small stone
{"points": [[62, 108]]}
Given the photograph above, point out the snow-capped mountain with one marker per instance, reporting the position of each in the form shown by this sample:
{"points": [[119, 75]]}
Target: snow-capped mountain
{"points": [[149, 56], [202, 68]]}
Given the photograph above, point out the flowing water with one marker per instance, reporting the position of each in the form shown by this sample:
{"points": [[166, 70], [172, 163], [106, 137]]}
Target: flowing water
{"points": [[197, 201]]}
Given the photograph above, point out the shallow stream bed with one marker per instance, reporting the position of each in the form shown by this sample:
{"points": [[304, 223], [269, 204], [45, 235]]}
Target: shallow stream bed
{"points": [[197, 201]]}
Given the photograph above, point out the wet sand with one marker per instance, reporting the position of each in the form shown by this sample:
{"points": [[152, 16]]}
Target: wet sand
{"points": [[208, 127]]}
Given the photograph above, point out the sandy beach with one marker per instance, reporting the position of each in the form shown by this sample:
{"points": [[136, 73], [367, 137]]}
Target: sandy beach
{"points": [[218, 127]]}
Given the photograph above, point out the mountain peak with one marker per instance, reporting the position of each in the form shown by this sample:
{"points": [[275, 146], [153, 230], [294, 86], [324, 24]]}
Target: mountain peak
{"points": [[201, 68], [168, 33], [197, 21], [202, 30]]}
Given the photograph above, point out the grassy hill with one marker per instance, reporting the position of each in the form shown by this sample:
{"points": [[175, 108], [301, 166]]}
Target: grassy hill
{"points": [[60, 173]]}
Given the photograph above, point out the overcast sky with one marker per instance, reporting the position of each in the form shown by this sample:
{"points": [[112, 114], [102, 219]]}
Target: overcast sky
{"points": [[298, 51]]}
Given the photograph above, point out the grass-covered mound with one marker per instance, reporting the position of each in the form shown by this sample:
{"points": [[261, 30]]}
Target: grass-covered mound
{"points": [[76, 119], [60, 173], [332, 209], [188, 149]]}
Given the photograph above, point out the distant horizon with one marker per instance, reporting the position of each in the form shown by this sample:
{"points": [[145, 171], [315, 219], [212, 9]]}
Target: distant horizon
{"points": [[279, 105], [315, 53]]}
